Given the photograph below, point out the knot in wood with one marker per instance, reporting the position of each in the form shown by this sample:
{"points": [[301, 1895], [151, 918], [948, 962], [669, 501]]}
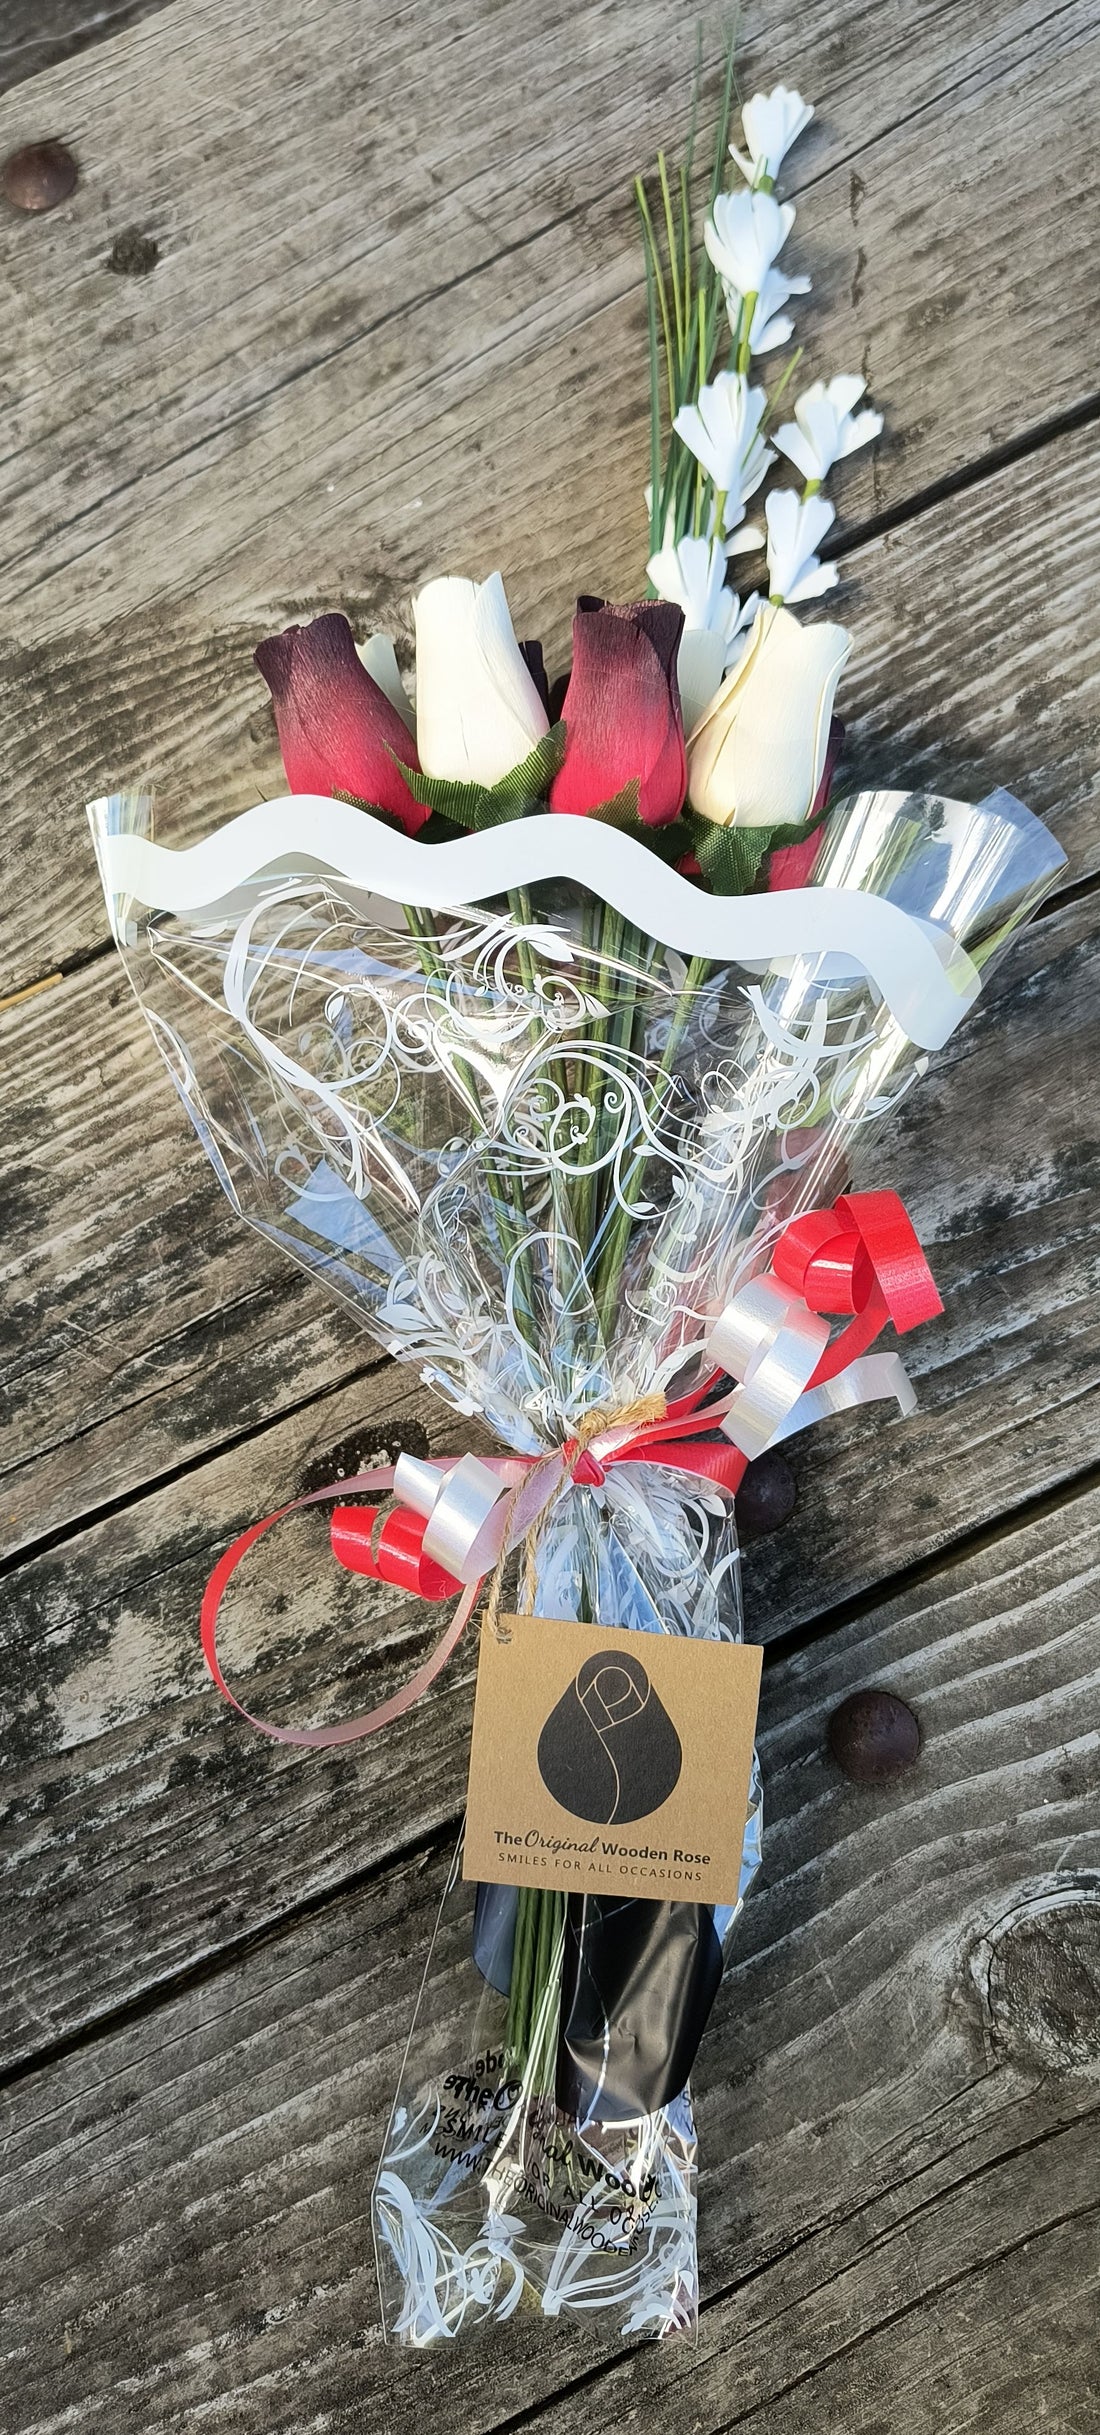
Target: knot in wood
{"points": [[1042, 1983]]}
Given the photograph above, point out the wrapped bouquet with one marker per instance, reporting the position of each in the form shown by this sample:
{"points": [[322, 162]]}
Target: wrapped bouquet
{"points": [[538, 1022]]}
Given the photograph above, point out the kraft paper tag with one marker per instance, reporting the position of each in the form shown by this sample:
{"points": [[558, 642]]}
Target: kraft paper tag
{"points": [[610, 1762]]}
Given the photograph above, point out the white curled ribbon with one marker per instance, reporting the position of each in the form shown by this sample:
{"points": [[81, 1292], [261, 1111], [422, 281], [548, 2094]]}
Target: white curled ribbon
{"points": [[768, 1340], [476, 1512], [925, 977], [875, 1378]]}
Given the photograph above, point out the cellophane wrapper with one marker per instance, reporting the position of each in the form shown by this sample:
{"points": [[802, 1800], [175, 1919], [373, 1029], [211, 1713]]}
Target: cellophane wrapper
{"points": [[535, 1152]]}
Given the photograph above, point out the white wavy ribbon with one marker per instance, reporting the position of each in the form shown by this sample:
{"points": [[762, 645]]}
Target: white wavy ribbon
{"points": [[927, 981]]}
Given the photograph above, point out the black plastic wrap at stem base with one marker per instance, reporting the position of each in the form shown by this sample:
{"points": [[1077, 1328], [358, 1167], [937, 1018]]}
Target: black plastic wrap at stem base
{"points": [[638, 1983]]}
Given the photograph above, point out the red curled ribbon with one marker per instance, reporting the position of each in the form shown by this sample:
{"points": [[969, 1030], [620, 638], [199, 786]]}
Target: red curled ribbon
{"points": [[862, 1256], [860, 1259]]}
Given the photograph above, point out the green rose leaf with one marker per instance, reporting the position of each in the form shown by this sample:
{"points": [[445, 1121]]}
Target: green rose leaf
{"points": [[482, 807], [730, 858], [620, 811], [670, 840]]}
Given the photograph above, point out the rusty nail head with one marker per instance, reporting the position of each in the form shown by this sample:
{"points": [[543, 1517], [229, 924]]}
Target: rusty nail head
{"points": [[766, 1497], [39, 176], [873, 1736]]}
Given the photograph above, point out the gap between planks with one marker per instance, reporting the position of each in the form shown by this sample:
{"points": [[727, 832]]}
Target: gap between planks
{"points": [[43, 34]]}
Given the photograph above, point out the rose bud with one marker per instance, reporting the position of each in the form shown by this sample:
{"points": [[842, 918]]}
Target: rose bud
{"points": [[757, 756], [337, 730], [479, 712], [622, 711]]}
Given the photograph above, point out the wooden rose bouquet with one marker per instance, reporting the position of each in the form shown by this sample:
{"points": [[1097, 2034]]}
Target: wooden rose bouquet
{"points": [[539, 1022]]}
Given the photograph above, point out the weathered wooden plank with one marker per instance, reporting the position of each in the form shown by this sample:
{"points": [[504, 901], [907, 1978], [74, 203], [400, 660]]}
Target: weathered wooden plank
{"points": [[35, 34], [542, 182], [143, 1323], [200, 1829], [550, 149], [956, 686], [897, 2103], [466, 389], [108, 1723], [979, 2312]]}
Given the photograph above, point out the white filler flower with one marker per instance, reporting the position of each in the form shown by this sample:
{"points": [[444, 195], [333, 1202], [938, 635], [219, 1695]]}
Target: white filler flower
{"points": [[772, 122], [723, 431], [380, 661], [478, 710], [824, 427], [692, 572], [771, 326], [744, 234], [795, 527]]}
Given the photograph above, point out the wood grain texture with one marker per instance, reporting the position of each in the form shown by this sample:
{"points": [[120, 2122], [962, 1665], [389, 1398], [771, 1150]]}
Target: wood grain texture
{"points": [[336, 401], [333, 323], [110, 1728], [898, 2201], [395, 325], [36, 34]]}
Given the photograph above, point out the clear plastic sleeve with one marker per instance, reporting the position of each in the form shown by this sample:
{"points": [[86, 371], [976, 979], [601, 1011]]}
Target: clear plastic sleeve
{"points": [[535, 1151]]}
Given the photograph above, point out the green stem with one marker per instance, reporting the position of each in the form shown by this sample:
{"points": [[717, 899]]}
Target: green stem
{"points": [[679, 301], [659, 284], [534, 1996], [585, 1197], [519, 1988], [519, 906], [787, 374], [509, 1216], [613, 1256]]}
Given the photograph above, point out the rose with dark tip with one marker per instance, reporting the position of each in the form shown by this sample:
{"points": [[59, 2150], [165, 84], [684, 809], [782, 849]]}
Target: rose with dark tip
{"points": [[622, 711], [338, 732]]}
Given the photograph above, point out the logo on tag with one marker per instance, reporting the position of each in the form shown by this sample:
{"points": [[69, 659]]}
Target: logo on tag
{"points": [[610, 1762], [609, 1751]]}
